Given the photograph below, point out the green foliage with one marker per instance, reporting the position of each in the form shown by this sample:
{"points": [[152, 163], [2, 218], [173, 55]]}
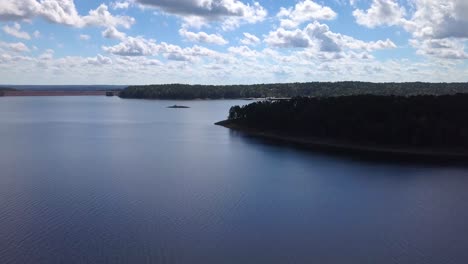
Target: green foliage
{"points": [[288, 90], [428, 121]]}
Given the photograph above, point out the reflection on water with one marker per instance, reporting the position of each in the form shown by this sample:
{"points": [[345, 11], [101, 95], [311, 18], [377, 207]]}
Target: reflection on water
{"points": [[104, 180]]}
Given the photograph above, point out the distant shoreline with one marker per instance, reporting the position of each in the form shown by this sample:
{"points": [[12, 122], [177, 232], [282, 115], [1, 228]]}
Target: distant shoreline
{"points": [[330, 145], [289, 90], [17, 93]]}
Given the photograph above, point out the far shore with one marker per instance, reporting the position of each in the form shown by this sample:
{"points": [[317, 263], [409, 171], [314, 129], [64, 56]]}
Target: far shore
{"points": [[56, 93], [348, 147]]}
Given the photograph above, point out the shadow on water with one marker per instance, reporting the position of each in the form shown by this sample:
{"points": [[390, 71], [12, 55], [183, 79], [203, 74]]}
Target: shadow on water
{"points": [[358, 156]]}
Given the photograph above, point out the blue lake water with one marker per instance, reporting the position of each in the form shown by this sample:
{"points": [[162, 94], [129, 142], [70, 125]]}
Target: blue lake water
{"points": [[106, 180]]}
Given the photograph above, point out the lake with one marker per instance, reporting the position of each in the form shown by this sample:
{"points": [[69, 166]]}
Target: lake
{"points": [[106, 180]]}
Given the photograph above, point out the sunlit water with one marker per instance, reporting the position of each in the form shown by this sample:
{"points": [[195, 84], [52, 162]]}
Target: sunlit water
{"points": [[105, 180]]}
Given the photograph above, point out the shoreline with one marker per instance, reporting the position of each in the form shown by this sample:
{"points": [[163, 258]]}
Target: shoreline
{"points": [[18, 93], [342, 147]]}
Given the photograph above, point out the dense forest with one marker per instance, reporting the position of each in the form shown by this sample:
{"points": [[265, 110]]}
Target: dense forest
{"points": [[288, 90], [417, 121]]}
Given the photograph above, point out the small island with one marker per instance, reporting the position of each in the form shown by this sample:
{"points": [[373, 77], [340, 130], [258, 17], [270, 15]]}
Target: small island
{"points": [[178, 106], [426, 125]]}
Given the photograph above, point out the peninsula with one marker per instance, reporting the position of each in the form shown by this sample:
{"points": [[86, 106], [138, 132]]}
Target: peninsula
{"points": [[433, 126]]}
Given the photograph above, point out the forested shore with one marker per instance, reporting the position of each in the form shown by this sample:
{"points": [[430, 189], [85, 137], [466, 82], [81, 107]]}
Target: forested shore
{"points": [[3, 90], [289, 90], [435, 124]]}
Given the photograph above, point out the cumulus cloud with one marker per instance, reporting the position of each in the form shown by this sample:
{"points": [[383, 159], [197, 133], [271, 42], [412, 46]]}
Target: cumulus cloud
{"points": [[120, 5], [231, 12], [47, 55], [304, 11], [99, 60], [15, 31], [439, 19], [250, 39], [438, 27], [113, 33], [139, 46], [381, 12], [237, 65], [18, 10], [133, 46], [61, 12], [203, 37], [288, 38], [244, 51], [440, 48], [16, 47], [326, 40], [174, 52], [320, 37], [102, 17]]}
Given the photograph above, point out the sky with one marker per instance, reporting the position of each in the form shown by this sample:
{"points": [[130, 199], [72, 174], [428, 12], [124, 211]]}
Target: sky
{"points": [[232, 41]]}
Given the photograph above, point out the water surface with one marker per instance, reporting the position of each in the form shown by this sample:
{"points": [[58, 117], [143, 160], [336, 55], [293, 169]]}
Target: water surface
{"points": [[105, 180]]}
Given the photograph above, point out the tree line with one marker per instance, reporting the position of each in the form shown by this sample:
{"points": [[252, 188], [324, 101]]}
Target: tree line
{"points": [[288, 90], [419, 121], [5, 89]]}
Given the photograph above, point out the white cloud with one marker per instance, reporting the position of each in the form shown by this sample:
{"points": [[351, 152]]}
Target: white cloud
{"points": [[174, 52], [250, 39], [85, 37], [139, 46], [304, 11], [238, 65], [133, 46], [321, 38], [113, 33], [99, 60], [18, 10], [300, 47], [120, 5], [244, 51], [37, 34], [203, 37], [61, 12], [230, 12], [381, 12], [286, 38], [16, 47], [441, 48], [15, 31], [47, 55], [102, 17], [438, 27], [439, 19]]}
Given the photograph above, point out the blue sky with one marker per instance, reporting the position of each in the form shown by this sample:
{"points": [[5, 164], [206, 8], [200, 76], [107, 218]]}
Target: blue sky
{"points": [[232, 41]]}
